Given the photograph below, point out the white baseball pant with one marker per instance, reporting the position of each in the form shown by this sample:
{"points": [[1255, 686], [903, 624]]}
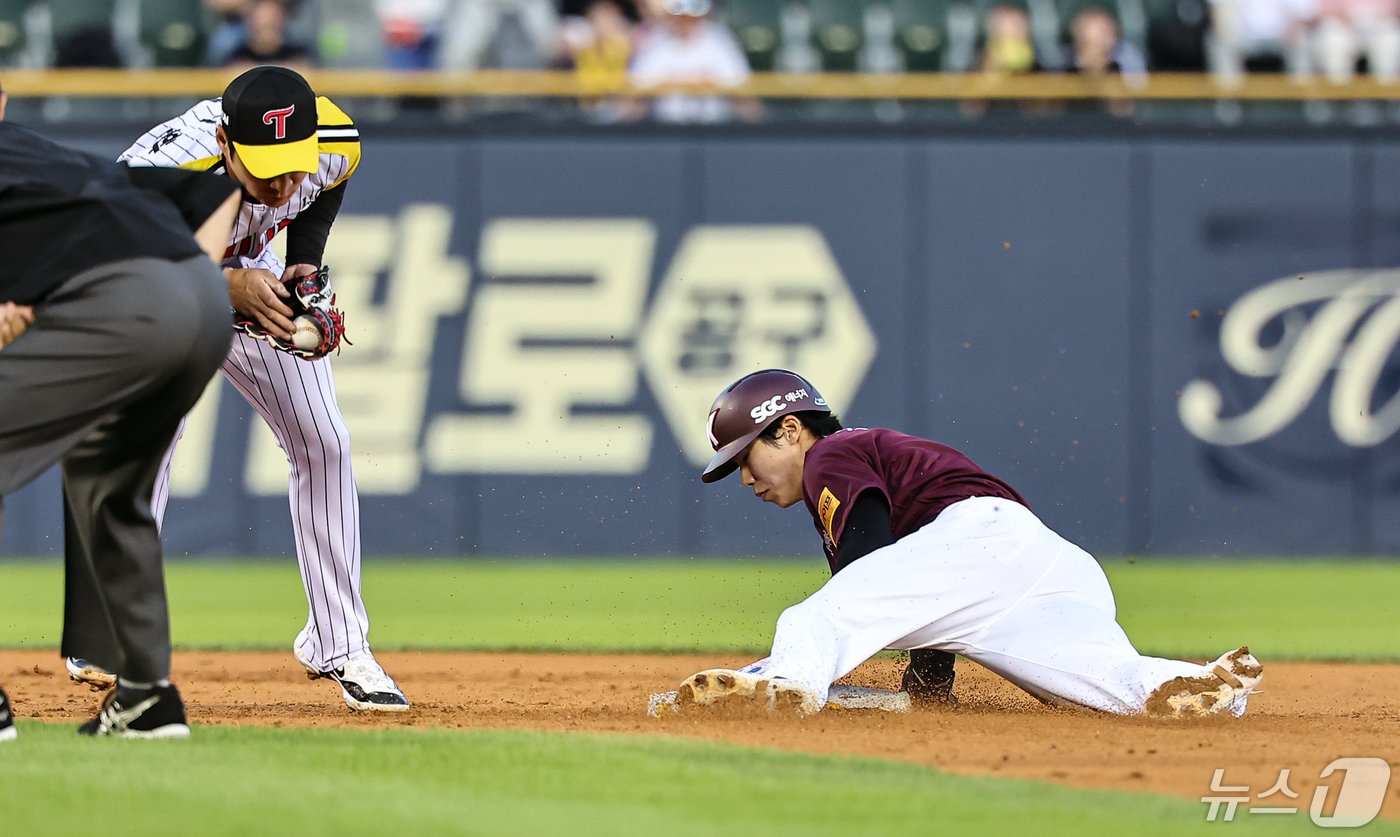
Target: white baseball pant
{"points": [[987, 580]]}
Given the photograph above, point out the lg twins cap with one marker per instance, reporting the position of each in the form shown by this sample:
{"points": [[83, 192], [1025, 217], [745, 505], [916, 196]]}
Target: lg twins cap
{"points": [[270, 117], [747, 407]]}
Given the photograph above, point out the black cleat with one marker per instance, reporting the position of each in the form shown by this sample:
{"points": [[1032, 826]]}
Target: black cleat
{"points": [[140, 713], [7, 719]]}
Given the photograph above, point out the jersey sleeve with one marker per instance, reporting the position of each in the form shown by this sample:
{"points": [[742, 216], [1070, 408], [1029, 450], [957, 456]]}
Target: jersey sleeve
{"points": [[833, 476], [186, 142], [336, 134], [307, 234]]}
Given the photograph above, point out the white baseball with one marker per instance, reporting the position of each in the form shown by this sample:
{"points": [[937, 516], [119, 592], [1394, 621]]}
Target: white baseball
{"points": [[307, 334]]}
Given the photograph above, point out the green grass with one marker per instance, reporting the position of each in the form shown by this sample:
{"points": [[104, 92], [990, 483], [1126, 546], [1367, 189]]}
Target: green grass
{"points": [[307, 782], [1284, 610], [1333, 610], [252, 781]]}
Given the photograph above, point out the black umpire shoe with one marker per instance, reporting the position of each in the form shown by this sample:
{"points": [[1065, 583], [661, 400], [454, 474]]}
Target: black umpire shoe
{"points": [[140, 713], [7, 719]]}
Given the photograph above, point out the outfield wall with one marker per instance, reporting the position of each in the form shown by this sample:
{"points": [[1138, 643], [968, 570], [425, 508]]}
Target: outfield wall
{"points": [[1140, 332]]}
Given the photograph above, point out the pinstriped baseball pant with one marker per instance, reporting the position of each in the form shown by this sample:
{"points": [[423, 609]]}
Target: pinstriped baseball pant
{"points": [[297, 400]]}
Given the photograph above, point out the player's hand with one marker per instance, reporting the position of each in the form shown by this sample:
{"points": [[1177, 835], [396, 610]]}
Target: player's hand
{"points": [[14, 321], [296, 271], [257, 293]]}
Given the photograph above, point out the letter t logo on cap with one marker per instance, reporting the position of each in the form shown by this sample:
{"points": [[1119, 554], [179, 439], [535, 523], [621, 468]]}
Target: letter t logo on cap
{"points": [[278, 117]]}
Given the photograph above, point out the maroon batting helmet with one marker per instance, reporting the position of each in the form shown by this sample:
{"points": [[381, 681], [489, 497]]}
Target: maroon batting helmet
{"points": [[747, 407]]}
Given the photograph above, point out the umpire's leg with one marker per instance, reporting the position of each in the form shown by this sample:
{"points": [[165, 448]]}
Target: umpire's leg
{"points": [[115, 357]]}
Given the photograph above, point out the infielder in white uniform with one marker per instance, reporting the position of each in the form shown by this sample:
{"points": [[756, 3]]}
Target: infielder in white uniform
{"points": [[292, 153], [931, 554]]}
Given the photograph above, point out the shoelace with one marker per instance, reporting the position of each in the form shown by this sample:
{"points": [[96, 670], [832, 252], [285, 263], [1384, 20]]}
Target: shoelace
{"points": [[367, 672], [115, 719]]}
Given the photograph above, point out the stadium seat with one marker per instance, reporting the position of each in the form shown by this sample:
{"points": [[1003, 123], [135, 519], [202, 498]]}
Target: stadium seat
{"points": [[1176, 35], [921, 33], [935, 35], [173, 32], [71, 16], [13, 37], [82, 32], [758, 25], [838, 32], [1133, 16]]}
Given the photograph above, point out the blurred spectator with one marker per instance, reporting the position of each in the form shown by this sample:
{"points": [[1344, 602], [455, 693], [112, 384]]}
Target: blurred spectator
{"points": [[686, 49], [1098, 47], [653, 13], [512, 34], [1098, 50], [1009, 49], [1259, 36], [1346, 28], [579, 8], [412, 32], [230, 30], [598, 46], [265, 39]]}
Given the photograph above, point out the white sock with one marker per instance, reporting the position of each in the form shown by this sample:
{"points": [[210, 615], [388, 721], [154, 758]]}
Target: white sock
{"points": [[131, 684]]}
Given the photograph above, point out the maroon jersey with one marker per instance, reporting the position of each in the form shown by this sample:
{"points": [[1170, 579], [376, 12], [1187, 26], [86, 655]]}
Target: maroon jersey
{"points": [[919, 479]]}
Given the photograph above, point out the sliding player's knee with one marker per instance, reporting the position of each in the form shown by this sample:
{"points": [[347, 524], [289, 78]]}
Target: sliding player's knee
{"points": [[807, 618]]}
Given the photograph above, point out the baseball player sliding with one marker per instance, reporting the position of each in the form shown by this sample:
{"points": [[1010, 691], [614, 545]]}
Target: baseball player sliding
{"points": [[292, 153], [930, 553]]}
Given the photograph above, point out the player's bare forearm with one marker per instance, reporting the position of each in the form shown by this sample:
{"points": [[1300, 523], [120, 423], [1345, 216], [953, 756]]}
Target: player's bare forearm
{"points": [[14, 321], [213, 235], [257, 293]]}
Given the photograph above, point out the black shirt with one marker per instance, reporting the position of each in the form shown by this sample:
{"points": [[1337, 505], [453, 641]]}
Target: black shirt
{"points": [[284, 54], [63, 212]]}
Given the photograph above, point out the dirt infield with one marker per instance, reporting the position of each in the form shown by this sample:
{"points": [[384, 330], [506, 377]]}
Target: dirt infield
{"points": [[1307, 715]]}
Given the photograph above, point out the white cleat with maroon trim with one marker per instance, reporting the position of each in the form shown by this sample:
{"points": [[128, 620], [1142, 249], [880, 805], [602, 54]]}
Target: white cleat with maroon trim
{"points": [[1225, 687]]}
